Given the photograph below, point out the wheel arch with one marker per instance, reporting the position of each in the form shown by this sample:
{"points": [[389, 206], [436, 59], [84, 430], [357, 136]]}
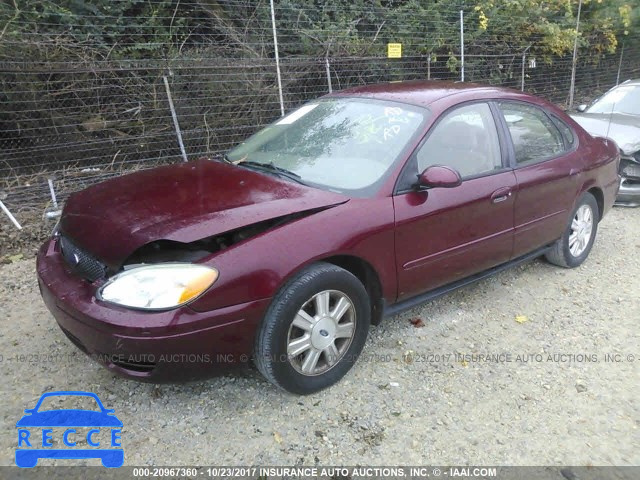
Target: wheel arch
{"points": [[364, 272], [599, 196]]}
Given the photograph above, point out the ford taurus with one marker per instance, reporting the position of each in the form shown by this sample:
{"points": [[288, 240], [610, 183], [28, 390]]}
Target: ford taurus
{"points": [[351, 208]]}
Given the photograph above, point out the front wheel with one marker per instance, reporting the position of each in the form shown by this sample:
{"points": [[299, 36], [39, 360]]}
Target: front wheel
{"points": [[314, 329], [575, 244]]}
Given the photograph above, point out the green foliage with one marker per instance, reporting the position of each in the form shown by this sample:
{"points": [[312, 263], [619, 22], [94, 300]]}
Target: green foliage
{"points": [[122, 29], [164, 29], [549, 26]]}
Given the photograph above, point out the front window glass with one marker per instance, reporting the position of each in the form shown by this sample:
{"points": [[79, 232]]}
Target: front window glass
{"points": [[534, 136], [344, 144], [466, 140], [624, 99]]}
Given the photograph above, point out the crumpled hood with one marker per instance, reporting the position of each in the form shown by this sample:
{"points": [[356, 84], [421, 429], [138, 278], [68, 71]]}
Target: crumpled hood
{"points": [[184, 202], [622, 129]]}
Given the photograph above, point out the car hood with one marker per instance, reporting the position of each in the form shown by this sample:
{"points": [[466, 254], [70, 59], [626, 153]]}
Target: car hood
{"points": [[69, 418], [622, 129], [184, 203]]}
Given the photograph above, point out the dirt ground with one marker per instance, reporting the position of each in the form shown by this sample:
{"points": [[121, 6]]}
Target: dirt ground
{"points": [[21, 244], [560, 387]]}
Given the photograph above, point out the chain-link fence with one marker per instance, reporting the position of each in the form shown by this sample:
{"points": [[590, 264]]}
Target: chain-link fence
{"points": [[89, 95]]}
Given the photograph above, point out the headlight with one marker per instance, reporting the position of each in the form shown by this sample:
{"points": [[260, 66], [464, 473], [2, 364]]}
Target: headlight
{"points": [[158, 287]]}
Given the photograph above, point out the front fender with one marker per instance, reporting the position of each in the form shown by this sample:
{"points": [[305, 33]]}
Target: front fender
{"points": [[257, 268]]}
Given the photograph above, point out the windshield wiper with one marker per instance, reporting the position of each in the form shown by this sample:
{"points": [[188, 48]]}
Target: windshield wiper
{"points": [[272, 168], [221, 157]]}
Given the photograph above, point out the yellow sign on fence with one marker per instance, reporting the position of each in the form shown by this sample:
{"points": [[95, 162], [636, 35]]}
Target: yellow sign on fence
{"points": [[394, 50]]}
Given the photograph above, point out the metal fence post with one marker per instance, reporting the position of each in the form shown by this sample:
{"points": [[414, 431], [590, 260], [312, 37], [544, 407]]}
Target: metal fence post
{"points": [[462, 45], [11, 217], [52, 191], [429, 67], [575, 58], [327, 67], [175, 119], [275, 46], [524, 60], [620, 65], [56, 212]]}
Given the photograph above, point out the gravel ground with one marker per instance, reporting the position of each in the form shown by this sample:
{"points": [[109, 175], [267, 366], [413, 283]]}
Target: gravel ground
{"points": [[411, 399]]}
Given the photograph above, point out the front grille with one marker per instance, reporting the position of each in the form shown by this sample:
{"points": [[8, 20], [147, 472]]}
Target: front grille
{"points": [[82, 262]]}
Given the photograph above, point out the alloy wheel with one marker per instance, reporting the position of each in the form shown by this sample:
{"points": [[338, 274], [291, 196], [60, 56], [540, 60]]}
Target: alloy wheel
{"points": [[321, 332], [581, 228]]}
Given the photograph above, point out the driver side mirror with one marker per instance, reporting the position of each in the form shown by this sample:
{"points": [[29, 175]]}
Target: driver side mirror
{"points": [[582, 108], [439, 176]]}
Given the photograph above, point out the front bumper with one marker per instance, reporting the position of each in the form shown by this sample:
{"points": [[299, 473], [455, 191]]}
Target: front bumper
{"points": [[629, 193], [167, 346]]}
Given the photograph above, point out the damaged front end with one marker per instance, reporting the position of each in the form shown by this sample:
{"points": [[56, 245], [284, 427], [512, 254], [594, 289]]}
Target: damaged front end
{"points": [[167, 251], [162, 251], [629, 194]]}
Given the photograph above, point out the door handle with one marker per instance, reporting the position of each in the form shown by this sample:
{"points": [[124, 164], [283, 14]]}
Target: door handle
{"points": [[501, 198], [501, 195]]}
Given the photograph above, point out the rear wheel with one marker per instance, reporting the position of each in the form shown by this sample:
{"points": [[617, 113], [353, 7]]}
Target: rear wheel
{"points": [[575, 244], [314, 329]]}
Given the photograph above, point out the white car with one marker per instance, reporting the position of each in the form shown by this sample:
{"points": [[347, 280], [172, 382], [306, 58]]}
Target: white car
{"points": [[616, 115]]}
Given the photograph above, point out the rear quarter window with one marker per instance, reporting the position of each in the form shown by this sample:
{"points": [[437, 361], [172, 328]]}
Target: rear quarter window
{"points": [[535, 137], [566, 131]]}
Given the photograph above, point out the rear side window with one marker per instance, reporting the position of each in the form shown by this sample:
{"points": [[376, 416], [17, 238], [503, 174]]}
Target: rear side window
{"points": [[535, 137], [566, 131]]}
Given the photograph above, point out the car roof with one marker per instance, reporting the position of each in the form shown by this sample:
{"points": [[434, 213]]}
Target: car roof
{"points": [[631, 81], [424, 92], [68, 393]]}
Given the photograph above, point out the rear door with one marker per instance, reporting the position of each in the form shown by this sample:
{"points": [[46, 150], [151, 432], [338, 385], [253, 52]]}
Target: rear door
{"points": [[445, 234], [546, 169]]}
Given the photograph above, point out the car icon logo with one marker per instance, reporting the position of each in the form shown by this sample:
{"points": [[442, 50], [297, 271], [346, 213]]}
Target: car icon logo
{"points": [[98, 428]]}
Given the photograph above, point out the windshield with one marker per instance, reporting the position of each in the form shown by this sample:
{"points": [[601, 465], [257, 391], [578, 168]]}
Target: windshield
{"points": [[623, 99], [68, 402], [343, 144]]}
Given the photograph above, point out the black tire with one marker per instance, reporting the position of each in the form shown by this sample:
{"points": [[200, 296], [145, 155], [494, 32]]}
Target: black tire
{"points": [[560, 254], [270, 352]]}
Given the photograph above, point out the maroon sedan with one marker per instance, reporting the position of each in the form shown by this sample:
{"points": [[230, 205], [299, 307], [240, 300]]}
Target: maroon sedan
{"points": [[351, 208]]}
